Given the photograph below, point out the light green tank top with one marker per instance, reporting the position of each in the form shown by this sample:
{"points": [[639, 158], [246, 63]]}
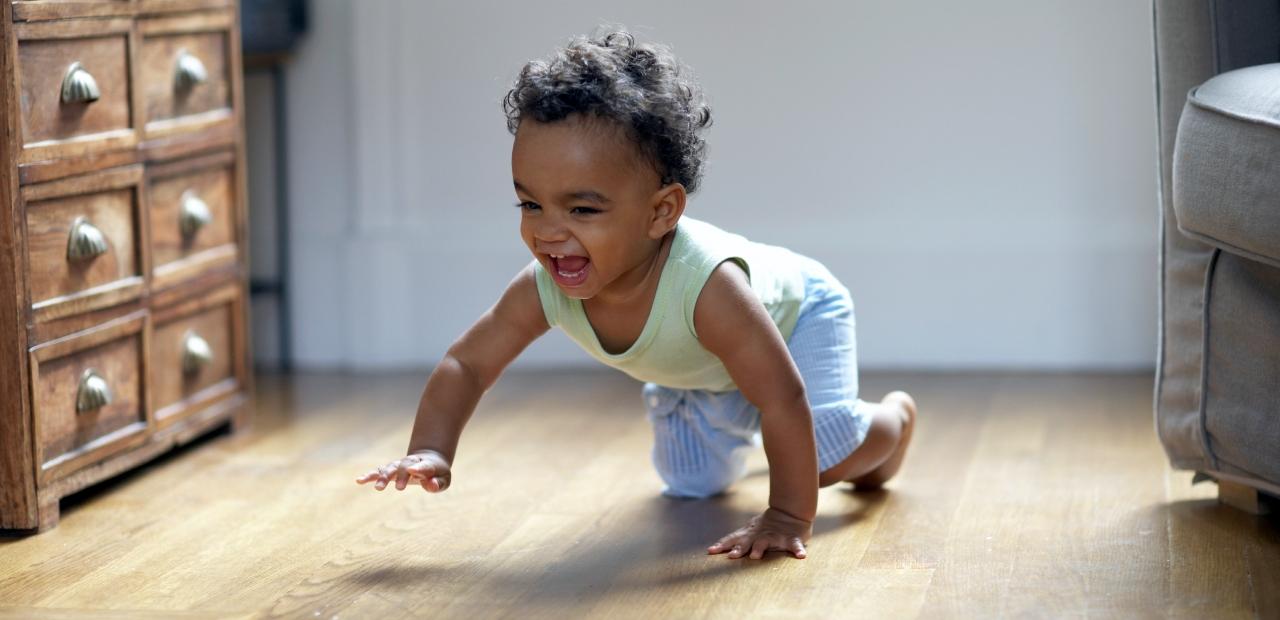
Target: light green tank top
{"points": [[668, 352]]}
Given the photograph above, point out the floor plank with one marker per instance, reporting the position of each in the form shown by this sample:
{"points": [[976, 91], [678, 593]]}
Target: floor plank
{"points": [[1024, 494]]}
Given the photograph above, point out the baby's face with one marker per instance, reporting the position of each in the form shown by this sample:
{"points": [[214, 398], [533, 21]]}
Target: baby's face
{"points": [[587, 203]]}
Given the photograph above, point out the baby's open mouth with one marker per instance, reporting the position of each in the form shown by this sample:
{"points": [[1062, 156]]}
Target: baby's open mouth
{"points": [[571, 270]]}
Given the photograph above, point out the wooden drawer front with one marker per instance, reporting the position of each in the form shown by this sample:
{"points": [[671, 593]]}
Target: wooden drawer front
{"points": [[88, 395], [172, 6], [185, 73], [31, 10], [194, 359], [193, 217], [84, 242], [63, 122]]}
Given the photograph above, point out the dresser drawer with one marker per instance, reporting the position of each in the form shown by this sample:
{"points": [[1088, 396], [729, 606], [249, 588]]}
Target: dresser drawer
{"points": [[75, 87], [196, 354], [85, 242], [186, 73], [193, 217], [88, 397]]}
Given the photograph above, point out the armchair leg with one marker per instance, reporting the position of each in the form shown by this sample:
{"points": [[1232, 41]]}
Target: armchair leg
{"points": [[1241, 497]]}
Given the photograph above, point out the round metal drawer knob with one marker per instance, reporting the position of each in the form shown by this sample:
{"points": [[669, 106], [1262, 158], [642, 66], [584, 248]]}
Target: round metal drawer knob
{"points": [[78, 85], [94, 393], [193, 215], [189, 72], [85, 241], [196, 353]]}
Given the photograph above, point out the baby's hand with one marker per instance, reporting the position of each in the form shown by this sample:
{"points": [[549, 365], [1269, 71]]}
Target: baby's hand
{"points": [[426, 467], [772, 530]]}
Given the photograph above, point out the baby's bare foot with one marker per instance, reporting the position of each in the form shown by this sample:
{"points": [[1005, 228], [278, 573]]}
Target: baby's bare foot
{"points": [[906, 408]]}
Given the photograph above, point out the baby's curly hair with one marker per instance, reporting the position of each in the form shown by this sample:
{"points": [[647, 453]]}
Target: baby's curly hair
{"points": [[641, 86]]}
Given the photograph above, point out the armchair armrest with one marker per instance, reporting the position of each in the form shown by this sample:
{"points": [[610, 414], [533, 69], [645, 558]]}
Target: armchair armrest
{"points": [[1226, 163]]}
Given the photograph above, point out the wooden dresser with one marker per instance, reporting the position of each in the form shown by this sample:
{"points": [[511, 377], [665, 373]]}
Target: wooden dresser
{"points": [[122, 248]]}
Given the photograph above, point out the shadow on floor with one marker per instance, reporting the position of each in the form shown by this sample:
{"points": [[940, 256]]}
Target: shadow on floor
{"points": [[86, 496], [600, 562], [1209, 516]]}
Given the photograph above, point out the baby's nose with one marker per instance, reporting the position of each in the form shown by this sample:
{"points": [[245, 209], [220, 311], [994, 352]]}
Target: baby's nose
{"points": [[551, 232]]}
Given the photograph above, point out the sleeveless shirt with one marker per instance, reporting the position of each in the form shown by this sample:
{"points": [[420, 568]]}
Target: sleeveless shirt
{"points": [[668, 352]]}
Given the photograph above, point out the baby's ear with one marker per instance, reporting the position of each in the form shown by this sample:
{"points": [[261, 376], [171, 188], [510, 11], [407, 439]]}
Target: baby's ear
{"points": [[668, 206]]}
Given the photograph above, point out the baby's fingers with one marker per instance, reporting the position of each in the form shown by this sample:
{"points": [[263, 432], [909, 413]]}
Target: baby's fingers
{"points": [[723, 545], [421, 470], [736, 547], [759, 547], [418, 471], [374, 474], [796, 547], [402, 478], [435, 484], [384, 476]]}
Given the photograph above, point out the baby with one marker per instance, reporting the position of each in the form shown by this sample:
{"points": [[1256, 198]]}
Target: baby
{"points": [[733, 339]]}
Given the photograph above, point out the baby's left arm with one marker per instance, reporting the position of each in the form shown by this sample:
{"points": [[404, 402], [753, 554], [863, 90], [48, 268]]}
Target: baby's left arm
{"points": [[733, 324]]}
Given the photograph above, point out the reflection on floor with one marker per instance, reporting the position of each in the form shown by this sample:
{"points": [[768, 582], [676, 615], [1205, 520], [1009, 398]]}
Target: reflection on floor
{"points": [[1023, 495]]}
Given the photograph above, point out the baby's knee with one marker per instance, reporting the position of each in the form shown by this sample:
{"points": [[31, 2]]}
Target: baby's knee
{"points": [[709, 477]]}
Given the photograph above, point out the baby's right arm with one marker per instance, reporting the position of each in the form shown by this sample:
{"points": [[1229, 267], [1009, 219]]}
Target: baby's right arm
{"points": [[469, 368]]}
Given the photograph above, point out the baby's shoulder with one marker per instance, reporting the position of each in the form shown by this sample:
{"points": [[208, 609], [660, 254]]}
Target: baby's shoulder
{"points": [[725, 288]]}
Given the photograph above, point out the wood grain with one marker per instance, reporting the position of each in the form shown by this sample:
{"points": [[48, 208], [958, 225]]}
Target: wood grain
{"points": [[111, 202], [184, 137], [72, 28], [168, 108], [18, 500], [51, 329], [35, 10], [68, 438], [1025, 495], [177, 391], [49, 225], [211, 179], [243, 335], [175, 6], [48, 170], [194, 288], [51, 128]]}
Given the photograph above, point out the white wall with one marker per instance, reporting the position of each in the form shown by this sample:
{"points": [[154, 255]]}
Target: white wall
{"points": [[980, 174]]}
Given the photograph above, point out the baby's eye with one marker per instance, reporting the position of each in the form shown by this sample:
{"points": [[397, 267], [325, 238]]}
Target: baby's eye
{"points": [[527, 206], [584, 210]]}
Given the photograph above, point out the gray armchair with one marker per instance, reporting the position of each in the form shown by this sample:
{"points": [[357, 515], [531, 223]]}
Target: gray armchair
{"points": [[1218, 373]]}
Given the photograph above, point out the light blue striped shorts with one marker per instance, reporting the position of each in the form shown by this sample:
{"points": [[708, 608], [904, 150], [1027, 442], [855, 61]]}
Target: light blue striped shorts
{"points": [[702, 438]]}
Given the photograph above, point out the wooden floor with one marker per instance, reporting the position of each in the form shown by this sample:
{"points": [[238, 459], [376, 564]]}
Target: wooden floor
{"points": [[1024, 495]]}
